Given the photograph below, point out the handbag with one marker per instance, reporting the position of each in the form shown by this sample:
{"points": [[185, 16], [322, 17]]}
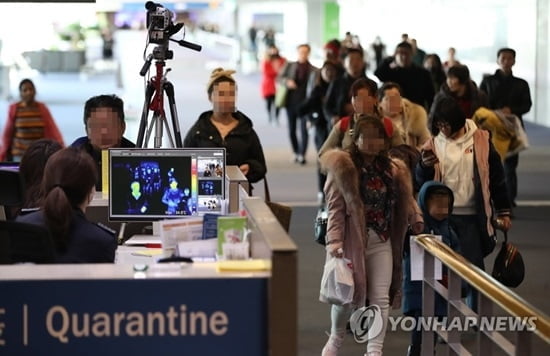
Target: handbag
{"points": [[488, 244], [282, 212], [509, 268], [320, 226]]}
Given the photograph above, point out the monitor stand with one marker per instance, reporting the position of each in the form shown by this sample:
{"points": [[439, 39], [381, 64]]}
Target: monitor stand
{"points": [[156, 228], [150, 235]]}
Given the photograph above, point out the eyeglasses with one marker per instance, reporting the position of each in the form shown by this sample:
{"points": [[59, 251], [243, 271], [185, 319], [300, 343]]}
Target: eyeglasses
{"points": [[442, 125]]}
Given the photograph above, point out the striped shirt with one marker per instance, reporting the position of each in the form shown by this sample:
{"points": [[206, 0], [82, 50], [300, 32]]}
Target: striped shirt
{"points": [[29, 127]]}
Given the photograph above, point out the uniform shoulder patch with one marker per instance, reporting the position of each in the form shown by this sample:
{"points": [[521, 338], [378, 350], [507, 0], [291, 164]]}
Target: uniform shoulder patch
{"points": [[106, 228], [25, 211]]}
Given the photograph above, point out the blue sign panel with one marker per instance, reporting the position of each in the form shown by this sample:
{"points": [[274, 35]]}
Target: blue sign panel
{"points": [[134, 317]]}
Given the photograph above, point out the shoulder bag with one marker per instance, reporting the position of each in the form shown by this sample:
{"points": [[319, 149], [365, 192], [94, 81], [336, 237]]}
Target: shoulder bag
{"points": [[509, 268], [320, 226]]}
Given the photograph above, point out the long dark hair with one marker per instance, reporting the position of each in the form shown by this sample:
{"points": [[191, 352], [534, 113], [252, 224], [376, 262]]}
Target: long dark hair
{"points": [[32, 169], [381, 163], [69, 176]]}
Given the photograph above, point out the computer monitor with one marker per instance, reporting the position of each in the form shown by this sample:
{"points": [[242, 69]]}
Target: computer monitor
{"points": [[10, 166], [155, 184]]}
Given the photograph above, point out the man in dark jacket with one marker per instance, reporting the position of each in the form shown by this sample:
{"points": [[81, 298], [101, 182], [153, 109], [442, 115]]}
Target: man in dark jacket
{"points": [[338, 99], [105, 126], [415, 81], [460, 87], [511, 95], [295, 76]]}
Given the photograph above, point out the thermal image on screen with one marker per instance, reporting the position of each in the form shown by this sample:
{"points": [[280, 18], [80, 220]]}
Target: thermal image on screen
{"points": [[155, 184]]}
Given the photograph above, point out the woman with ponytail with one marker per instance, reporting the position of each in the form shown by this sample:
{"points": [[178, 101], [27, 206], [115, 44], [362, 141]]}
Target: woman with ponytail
{"points": [[68, 187]]}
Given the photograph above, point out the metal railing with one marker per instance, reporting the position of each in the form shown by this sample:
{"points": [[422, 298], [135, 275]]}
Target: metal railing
{"points": [[524, 319]]}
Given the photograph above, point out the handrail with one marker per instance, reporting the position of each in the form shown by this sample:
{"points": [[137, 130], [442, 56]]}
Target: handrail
{"points": [[486, 284]]}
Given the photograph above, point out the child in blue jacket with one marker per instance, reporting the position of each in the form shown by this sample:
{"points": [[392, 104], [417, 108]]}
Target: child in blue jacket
{"points": [[436, 202]]}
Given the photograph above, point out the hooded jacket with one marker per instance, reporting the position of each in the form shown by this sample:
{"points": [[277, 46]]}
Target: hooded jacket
{"points": [[242, 143], [412, 290], [488, 177], [346, 218]]}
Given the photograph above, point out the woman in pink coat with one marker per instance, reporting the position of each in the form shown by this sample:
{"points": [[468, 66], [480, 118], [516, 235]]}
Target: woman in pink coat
{"points": [[271, 66], [28, 121], [369, 200]]}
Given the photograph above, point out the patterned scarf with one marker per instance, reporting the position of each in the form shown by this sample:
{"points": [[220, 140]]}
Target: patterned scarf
{"points": [[378, 196]]}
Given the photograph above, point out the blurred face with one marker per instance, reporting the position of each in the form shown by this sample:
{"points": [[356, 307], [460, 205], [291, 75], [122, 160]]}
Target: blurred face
{"points": [[391, 103], [328, 73], [173, 184], [354, 64], [363, 102], [27, 92], [454, 85], [445, 128], [303, 54], [273, 51], [223, 97], [506, 61], [403, 57], [438, 206], [104, 128], [452, 52], [370, 141], [429, 63]]}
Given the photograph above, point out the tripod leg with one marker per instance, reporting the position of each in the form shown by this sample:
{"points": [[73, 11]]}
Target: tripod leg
{"points": [[158, 122], [153, 123], [149, 90], [169, 89], [165, 123]]}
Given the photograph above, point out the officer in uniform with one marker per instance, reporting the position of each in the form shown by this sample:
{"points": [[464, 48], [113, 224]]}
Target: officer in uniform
{"points": [[69, 185]]}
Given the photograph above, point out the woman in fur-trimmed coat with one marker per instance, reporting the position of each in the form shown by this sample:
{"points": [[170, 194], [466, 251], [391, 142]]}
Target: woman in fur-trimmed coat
{"points": [[369, 199]]}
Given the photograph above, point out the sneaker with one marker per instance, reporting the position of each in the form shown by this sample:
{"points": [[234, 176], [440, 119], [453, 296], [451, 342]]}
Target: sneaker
{"points": [[300, 159], [332, 346], [374, 353]]}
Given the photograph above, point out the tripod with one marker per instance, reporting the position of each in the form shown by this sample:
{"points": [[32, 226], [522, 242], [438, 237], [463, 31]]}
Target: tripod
{"points": [[154, 101]]}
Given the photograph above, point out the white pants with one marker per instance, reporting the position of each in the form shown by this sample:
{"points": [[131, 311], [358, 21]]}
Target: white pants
{"points": [[379, 272]]}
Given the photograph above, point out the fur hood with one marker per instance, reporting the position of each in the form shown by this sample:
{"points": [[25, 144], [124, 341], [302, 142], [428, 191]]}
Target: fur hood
{"points": [[346, 175], [416, 118], [416, 124]]}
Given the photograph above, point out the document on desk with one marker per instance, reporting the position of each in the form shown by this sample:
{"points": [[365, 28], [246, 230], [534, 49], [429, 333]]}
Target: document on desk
{"points": [[174, 231], [197, 248], [143, 240]]}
